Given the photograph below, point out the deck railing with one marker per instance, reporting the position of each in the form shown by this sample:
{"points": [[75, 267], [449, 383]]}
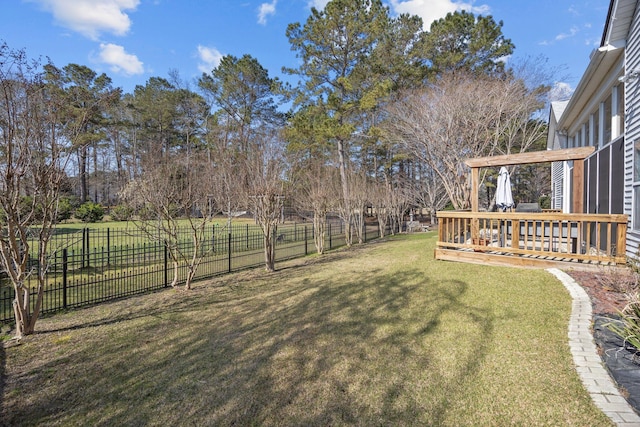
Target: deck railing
{"points": [[547, 235]]}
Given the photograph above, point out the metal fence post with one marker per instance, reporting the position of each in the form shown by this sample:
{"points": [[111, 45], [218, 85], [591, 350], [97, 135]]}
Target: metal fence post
{"points": [[213, 238], [85, 247], [65, 269], [229, 251], [329, 236], [166, 265], [306, 252]]}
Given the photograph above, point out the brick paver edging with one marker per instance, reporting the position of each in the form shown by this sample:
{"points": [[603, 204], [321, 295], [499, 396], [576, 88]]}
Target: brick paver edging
{"points": [[588, 362]]}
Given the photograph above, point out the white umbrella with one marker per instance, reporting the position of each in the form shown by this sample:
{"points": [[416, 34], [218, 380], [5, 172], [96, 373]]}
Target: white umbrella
{"points": [[504, 199]]}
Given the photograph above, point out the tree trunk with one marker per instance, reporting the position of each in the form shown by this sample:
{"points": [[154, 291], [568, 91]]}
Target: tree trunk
{"points": [[383, 220], [190, 275], [25, 318], [19, 312], [319, 231], [95, 174], [345, 192], [358, 221], [269, 251], [82, 171], [174, 282]]}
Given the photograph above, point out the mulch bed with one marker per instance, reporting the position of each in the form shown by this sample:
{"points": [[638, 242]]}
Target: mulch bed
{"points": [[608, 299], [605, 298]]}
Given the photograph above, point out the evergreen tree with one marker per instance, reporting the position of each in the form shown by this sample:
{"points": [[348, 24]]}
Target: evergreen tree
{"points": [[462, 41]]}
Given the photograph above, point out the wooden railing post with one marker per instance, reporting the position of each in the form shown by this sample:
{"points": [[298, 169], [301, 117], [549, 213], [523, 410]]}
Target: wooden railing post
{"points": [[515, 233], [621, 248]]}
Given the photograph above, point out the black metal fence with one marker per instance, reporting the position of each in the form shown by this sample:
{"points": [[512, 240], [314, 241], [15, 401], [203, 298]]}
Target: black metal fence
{"points": [[90, 266]]}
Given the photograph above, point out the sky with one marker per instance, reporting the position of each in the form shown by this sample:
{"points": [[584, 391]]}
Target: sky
{"points": [[134, 40]]}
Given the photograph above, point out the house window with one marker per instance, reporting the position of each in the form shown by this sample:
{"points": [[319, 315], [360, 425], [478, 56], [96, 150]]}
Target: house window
{"points": [[585, 138], [595, 136], [607, 118]]}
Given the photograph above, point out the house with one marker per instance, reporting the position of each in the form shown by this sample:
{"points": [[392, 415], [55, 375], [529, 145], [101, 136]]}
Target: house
{"points": [[604, 113]]}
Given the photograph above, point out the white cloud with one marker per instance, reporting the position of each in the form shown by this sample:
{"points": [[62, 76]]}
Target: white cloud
{"points": [[318, 4], [432, 10], [572, 32], [210, 58], [92, 17], [561, 91], [593, 41], [119, 60], [265, 10]]}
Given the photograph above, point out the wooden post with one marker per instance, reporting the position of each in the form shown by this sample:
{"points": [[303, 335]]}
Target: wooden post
{"points": [[475, 203], [475, 182], [621, 242], [578, 187], [515, 233]]}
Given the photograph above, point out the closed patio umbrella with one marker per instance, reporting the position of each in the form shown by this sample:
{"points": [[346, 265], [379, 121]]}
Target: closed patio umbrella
{"points": [[504, 199]]}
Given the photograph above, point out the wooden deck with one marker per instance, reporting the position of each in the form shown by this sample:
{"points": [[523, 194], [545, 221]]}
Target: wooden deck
{"points": [[534, 240]]}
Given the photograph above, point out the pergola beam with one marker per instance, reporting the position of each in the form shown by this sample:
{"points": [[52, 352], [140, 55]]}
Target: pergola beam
{"points": [[579, 153]]}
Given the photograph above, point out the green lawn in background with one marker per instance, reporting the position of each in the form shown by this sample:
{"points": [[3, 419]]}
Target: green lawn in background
{"points": [[129, 225], [377, 335]]}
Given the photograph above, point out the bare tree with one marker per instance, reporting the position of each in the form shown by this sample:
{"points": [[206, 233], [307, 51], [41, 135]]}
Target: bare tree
{"points": [[462, 116], [229, 172], [378, 194], [173, 191], [264, 191], [360, 198], [32, 163], [429, 192], [398, 201], [317, 189]]}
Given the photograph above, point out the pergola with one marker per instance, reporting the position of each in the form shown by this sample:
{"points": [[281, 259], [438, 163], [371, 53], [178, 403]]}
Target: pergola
{"points": [[533, 239], [580, 153]]}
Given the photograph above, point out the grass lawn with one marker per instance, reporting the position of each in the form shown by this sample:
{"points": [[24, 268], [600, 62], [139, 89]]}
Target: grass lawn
{"points": [[377, 335], [77, 225]]}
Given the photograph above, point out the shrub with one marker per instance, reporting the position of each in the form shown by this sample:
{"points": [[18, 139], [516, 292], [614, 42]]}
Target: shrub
{"points": [[90, 212], [628, 327], [617, 279], [145, 213], [65, 209], [148, 212], [544, 202], [121, 213]]}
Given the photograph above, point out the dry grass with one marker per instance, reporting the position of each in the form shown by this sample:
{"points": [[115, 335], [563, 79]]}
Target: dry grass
{"points": [[378, 335]]}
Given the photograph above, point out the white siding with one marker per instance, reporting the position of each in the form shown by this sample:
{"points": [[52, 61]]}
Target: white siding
{"points": [[556, 185], [632, 125]]}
